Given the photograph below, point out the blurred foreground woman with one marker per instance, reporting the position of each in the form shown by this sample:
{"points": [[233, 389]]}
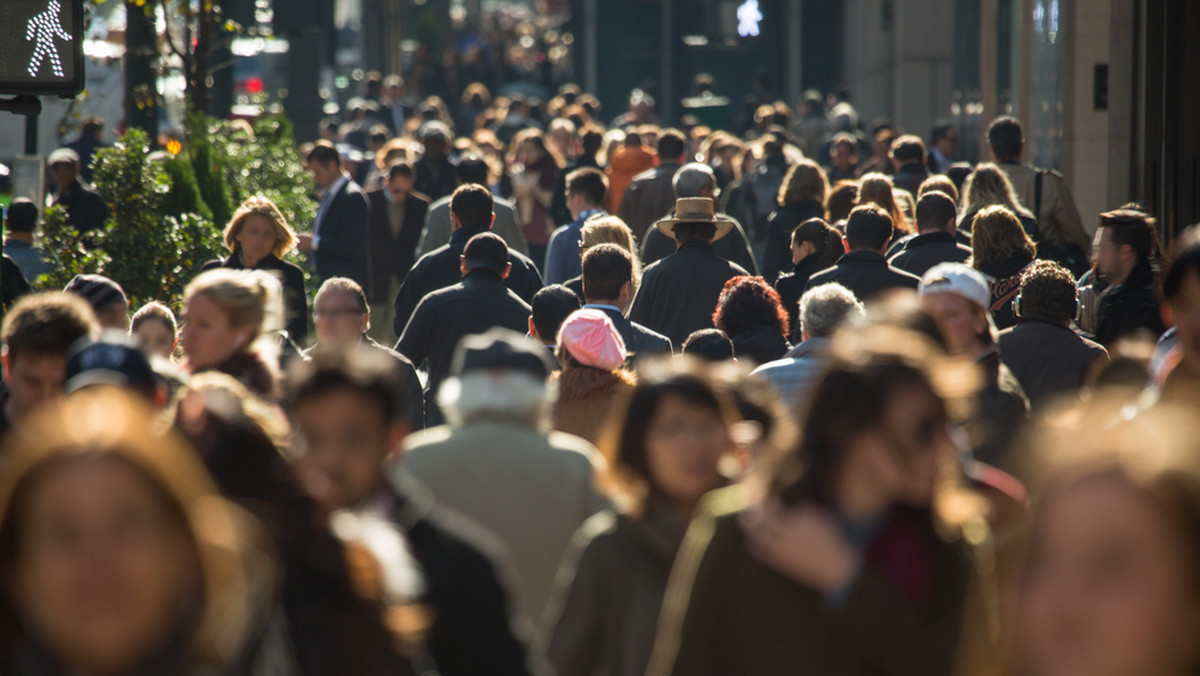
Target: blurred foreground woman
{"points": [[1112, 586], [119, 556], [861, 554], [664, 447]]}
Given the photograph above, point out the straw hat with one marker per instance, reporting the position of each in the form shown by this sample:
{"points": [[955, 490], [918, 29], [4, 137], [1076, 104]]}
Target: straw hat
{"points": [[695, 210]]}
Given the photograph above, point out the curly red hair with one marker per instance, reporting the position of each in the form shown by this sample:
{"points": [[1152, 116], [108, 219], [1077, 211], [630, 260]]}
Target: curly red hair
{"points": [[749, 304]]}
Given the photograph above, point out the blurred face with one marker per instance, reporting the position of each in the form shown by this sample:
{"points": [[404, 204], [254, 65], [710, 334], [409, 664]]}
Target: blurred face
{"points": [[103, 569], [343, 442], [684, 445], [399, 186], [1185, 309], [1107, 592], [155, 338], [207, 337], [915, 427], [948, 144], [338, 322], [324, 175], [64, 174], [32, 380], [115, 317], [257, 238], [1114, 262], [843, 156], [960, 321], [801, 250]]}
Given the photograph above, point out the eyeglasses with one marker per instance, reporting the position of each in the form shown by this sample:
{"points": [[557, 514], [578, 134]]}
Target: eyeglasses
{"points": [[334, 314]]}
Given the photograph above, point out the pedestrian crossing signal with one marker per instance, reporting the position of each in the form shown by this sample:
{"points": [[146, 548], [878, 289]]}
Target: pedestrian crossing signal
{"points": [[41, 47]]}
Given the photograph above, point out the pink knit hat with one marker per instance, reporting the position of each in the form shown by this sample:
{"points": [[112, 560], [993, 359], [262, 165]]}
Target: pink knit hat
{"points": [[592, 339]]}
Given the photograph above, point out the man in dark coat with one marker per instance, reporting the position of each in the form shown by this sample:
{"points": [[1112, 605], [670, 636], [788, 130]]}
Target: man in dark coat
{"points": [[1045, 354], [864, 270], [908, 158], [650, 194], [608, 287], [935, 243], [342, 318], [1126, 248], [358, 396], [435, 171], [339, 242], [698, 180], [591, 140], [679, 293], [397, 217], [470, 214], [86, 210], [87, 144], [481, 301]]}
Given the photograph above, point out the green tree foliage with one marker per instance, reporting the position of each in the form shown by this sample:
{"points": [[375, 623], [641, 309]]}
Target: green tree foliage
{"points": [[184, 197], [151, 254]]}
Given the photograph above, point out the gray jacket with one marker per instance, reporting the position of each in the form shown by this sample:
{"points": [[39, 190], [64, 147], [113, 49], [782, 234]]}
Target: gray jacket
{"points": [[795, 376]]}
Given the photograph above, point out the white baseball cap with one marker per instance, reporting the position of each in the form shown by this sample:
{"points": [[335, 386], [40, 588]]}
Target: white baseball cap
{"points": [[958, 279]]}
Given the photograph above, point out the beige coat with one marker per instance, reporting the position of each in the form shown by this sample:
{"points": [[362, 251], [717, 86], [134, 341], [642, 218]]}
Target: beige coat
{"points": [[1058, 219], [531, 490]]}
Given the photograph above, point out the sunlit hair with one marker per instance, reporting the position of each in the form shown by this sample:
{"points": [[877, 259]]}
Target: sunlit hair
{"points": [[805, 182], [537, 138], [876, 188], [748, 304], [988, 185], [499, 395], [627, 477], [250, 300], [111, 425], [938, 183], [285, 238], [997, 234], [612, 230], [869, 367], [154, 311], [842, 199]]}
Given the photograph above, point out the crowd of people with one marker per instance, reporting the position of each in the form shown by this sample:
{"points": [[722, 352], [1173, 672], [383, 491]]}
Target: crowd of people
{"points": [[581, 398]]}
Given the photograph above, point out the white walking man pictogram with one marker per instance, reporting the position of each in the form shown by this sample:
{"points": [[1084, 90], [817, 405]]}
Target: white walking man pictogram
{"points": [[43, 28]]}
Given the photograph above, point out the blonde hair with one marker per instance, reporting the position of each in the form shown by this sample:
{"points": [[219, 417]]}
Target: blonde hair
{"points": [[249, 299], [986, 186], [997, 234], [805, 182], [285, 238], [612, 230], [876, 188], [938, 183]]}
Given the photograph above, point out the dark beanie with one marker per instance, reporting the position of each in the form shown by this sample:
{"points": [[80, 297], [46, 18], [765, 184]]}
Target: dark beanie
{"points": [[99, 291]]}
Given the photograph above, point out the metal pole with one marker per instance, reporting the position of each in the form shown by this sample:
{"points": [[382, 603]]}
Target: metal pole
{"points": [[31, 135], [591, 80]]}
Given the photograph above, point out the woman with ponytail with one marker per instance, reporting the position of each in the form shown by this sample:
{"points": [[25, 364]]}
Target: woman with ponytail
{"points": [[815, 246]]}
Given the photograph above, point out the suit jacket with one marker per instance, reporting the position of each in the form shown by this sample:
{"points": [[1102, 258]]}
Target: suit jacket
{"points": [[392, 256], [639, 340], [443, 268], [866, 274], [679, 293], [437, 226], [295, 297], [649, 196], [413, 393], [344, 246], [734, 246]]}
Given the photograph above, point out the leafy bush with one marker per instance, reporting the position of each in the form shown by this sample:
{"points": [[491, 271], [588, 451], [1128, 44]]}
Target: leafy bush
{"points": [[151, 254]]}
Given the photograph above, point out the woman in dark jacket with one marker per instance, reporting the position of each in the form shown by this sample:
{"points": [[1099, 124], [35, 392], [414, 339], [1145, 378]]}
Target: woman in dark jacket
{"points": [[1001, 250], [801, 197], [815, 246], [751, 314], [259, 238], [863, 555], [666, 443]]}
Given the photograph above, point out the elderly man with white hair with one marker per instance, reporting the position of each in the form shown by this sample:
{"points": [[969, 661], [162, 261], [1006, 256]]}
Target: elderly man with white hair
{"points": [[498, 463], [696, 179], [823, 310]]}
